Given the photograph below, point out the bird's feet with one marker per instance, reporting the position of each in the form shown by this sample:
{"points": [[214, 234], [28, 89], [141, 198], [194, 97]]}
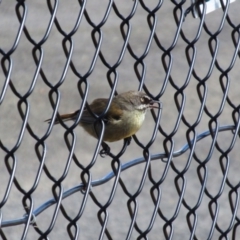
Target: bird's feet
{"points": [[105, 150], [127, 140]]}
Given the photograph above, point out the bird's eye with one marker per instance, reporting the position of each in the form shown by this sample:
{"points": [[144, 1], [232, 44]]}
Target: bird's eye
{"points": [[145, 100]]}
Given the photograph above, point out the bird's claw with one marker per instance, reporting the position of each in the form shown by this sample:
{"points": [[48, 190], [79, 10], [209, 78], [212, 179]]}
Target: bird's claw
{"points": [[128, 140], [105, 150]]}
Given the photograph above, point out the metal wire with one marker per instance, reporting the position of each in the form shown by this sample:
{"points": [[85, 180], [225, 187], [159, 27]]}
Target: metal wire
{"points": [[169, 155]]}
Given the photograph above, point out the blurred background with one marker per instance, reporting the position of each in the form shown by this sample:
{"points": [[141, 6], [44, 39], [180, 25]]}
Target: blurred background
{"points": [[209, 45]]}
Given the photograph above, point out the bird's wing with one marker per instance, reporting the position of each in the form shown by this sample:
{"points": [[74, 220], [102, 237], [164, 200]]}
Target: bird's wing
{"points": [[98, 106]]}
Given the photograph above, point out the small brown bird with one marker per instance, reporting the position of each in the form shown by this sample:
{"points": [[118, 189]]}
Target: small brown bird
{"points": [[123, 119]]}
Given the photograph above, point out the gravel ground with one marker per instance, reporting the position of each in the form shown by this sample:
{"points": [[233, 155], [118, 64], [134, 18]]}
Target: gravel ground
{"points": [[54, 60]]}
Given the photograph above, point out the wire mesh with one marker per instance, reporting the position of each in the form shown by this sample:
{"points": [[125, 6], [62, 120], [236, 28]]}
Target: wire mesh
{"points": [[178, 178]]}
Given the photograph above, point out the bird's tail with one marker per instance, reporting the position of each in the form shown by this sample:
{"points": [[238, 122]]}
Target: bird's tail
{"points": [[64, 117]]}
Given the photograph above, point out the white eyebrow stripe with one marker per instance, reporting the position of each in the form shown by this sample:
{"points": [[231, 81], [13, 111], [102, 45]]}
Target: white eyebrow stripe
{"points": [[147, 97]]}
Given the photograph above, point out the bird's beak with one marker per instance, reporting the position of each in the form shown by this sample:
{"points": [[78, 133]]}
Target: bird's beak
{"points": [[152, 104]]}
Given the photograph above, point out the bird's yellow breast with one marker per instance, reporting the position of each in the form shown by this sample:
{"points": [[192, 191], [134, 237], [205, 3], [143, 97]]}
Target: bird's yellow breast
{"points": [[128, 125], [117, 129]]}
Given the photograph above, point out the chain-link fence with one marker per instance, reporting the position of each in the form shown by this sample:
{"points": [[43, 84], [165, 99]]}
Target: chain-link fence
{"points": [[178, 178]]}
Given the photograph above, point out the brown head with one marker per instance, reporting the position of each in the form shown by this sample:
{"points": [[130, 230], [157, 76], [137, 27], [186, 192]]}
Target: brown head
{"points": [[135, 100]]}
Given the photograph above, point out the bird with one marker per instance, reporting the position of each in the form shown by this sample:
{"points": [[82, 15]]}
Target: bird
{"points": [[123, 119]]}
